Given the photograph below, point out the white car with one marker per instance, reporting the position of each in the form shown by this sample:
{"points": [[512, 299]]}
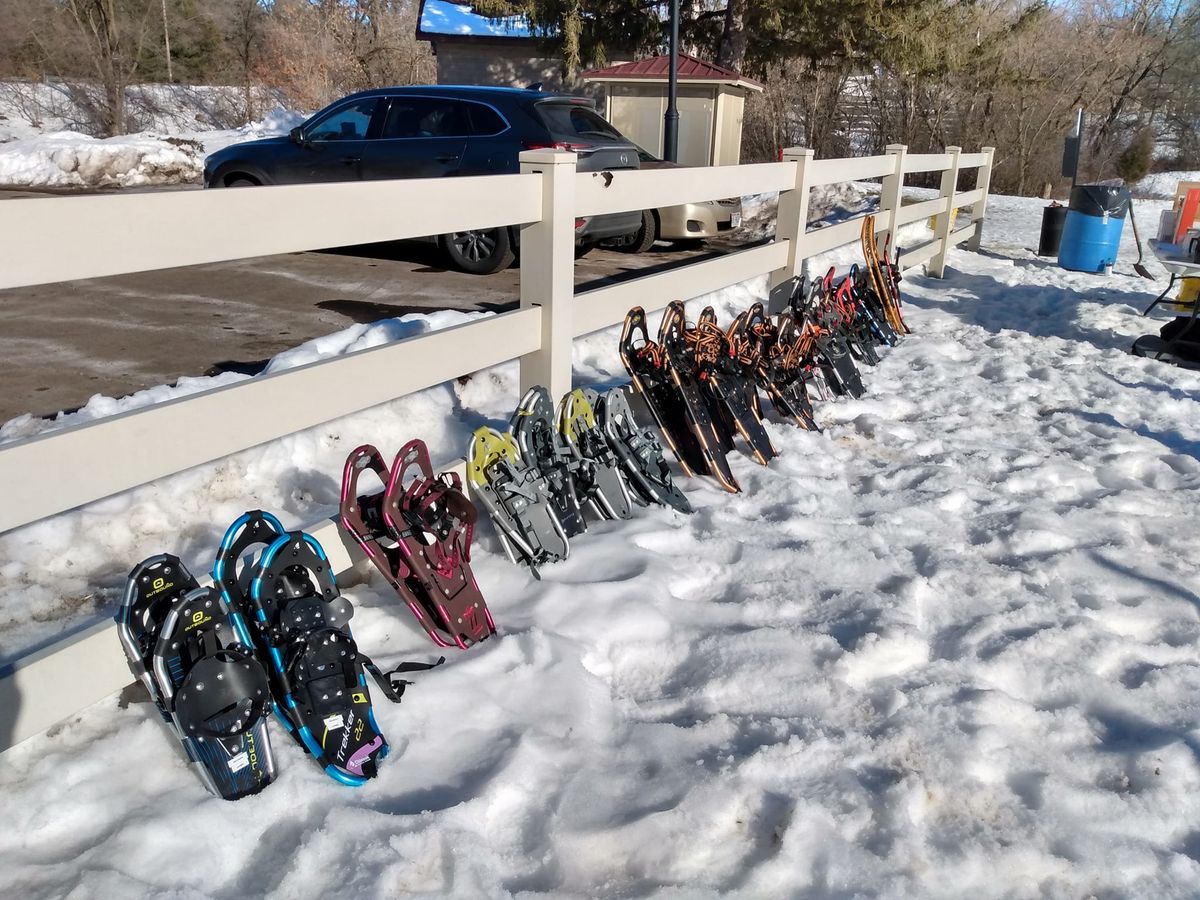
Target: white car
{"points": [[688, 222]]}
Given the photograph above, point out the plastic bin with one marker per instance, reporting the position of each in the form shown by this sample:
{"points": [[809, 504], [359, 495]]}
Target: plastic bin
{"points": [[1092, 232], [1054, 217]]}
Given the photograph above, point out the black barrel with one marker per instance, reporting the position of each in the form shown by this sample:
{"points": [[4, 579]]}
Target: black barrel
{"points": [[1053, 219]]}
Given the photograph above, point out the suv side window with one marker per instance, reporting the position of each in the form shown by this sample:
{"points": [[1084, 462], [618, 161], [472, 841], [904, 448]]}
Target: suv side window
{"points": [[425, 117], [346, 123], [485, 121]]}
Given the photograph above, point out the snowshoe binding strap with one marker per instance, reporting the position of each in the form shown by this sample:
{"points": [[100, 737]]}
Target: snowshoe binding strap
{"points": [[517, 497], [599, 479], [535, 430], [432, 523], [216, 692], [641, 456], [318, 678], [361, 517]]}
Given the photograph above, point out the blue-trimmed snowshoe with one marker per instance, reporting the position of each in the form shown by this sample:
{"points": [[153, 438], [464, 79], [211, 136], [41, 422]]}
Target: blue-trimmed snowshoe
{"points": [[318, 672]]}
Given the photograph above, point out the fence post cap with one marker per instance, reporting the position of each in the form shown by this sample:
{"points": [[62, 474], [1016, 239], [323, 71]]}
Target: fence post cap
{"points": [[896, 148], [954, 150], [548, 157], [796, 152]]}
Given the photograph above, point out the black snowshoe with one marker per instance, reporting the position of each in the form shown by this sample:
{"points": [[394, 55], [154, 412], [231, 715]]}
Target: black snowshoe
{"points": [[195, 656], [640, 455]]}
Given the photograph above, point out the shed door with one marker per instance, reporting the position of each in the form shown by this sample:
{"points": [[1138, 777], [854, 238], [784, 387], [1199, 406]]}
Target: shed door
{"points": [[696, 112]]}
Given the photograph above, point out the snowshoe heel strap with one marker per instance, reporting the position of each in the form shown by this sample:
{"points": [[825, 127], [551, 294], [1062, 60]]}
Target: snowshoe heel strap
{"points": [[391, 683]]}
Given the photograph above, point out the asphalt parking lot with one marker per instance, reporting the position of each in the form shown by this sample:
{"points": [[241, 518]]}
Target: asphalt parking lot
{"points": [[62, 343]]}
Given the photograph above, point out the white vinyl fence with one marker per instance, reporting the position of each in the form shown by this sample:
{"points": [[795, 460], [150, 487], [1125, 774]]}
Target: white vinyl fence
{"points": [[63, 238]]}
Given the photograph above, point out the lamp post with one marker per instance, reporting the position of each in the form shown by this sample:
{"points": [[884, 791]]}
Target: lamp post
{"points": [[671, 118]]}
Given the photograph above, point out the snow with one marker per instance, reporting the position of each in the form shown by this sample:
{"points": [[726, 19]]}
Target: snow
{"points": [[39, 147], [945, 648], [1162, 185]]}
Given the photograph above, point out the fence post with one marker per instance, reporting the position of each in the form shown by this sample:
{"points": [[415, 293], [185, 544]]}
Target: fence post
{"points": [[945, 220], [890, 194], [983, 180], [790, 224], [548, 270]]}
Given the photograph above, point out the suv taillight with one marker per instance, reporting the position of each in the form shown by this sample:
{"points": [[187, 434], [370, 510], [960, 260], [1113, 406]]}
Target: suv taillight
{"points": [[558, 145]]}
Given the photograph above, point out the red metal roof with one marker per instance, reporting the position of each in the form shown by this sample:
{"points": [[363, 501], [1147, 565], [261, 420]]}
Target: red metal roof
{"points": [[690, 69]]}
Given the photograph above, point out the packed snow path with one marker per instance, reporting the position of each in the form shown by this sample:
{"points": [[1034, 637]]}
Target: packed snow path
{"points": [[945, 649]]}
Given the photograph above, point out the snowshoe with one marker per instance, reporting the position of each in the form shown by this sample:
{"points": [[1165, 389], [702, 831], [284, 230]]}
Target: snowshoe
{"points": [[318, 673], [537, 437], [646, 363], [600, 479], [640, 455], [719, 369], [195, 657], [361, 517], [709, 428], [518, 498], [432, 522], [754, 340]]}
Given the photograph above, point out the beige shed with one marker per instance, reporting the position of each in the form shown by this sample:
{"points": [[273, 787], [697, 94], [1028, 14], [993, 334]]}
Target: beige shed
{"points": [[710, 104]]}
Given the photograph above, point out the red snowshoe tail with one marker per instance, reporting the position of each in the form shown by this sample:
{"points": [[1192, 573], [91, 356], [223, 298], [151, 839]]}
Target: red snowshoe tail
{"points": [[361, 517], [432, 522]]}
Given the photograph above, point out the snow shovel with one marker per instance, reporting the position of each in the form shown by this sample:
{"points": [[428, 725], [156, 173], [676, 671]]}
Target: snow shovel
{"points": [[1137, 266]]}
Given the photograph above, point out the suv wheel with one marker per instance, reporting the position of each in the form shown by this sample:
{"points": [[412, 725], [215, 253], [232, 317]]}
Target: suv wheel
{"points": [[642, 239], [479, 252]]}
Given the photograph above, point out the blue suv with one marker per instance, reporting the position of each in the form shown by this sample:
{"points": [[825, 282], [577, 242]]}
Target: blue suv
{"points": [[427, 131]]}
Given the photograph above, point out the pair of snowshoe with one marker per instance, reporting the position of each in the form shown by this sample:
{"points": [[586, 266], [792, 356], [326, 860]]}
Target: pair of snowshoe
{"points": [[417, 532], [541, 479], [700, 385], [271, 634]]}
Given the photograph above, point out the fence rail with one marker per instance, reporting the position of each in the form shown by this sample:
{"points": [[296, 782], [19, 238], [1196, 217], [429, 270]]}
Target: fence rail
{"points": [[109, 235]]}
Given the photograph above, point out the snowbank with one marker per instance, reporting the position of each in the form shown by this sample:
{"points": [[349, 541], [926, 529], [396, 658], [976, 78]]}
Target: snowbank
{"points": [[945, 648], [1162, 185], [69, 159]]}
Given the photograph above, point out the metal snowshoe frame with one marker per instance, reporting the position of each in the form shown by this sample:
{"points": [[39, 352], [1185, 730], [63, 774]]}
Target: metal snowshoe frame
{"points": [[754, 339], [827, 348], [361, 516], [728, 381], [534, 428], [646, 363], [883, 282], [517, 497], [599, 477], [641, 457], [432, 522], [703, 414]]}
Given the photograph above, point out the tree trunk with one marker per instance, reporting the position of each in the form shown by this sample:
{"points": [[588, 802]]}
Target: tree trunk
{"points": [[734, 38]]}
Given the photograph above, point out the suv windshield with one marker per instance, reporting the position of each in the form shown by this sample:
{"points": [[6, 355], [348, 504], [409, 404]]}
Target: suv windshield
{"points": [[568, 121]]}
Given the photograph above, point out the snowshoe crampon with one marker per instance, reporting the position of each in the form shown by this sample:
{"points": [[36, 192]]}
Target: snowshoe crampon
{"points": [[432, 522], [599, 480], [535, 430], [518, 498], [196, 658], [640, 455], [318, 672]]}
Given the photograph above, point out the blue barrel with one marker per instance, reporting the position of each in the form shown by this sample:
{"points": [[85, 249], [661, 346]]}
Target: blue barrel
{"points": [[1092, 232]]}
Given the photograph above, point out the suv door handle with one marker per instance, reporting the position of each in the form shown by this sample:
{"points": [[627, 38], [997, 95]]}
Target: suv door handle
{"points": [[350, 160], [446, 159]]}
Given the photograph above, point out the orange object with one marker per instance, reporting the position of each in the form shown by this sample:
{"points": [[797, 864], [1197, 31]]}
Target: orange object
{"points": [[1187, 215]]}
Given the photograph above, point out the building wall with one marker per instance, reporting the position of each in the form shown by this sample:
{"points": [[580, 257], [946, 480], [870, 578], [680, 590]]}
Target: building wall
{"points": [[463, 62], [637, 111], [729, 130]]}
